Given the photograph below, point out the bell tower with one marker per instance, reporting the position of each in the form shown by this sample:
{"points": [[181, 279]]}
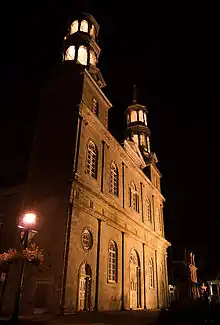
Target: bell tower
{"points": [[137, 129], [80, 45], [139, 132]]}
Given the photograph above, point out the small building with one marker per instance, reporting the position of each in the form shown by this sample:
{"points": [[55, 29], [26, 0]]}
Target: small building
{"points": [[214, 290]]}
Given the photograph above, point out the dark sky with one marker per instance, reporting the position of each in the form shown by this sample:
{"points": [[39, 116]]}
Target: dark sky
{"points": [[170, 52]]}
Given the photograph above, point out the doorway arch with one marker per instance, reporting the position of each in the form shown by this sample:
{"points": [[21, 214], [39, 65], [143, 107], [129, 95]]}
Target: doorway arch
{"points": [[84, 287], [135, 280]]}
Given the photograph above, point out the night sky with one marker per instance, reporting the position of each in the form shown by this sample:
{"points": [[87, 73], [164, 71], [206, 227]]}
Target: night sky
{"points": [[170, 53]]}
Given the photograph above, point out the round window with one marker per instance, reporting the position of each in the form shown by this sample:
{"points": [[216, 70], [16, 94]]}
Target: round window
{"points": [[86, 239]]}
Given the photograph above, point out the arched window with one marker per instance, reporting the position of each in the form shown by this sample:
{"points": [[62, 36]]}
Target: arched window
{"points": [[151, 273], [148, 208], [134, 200], [74, 27], [70, 53], [95, 106], [112, 261], [133, 116], [114, 179], [84, 26], [145, 118], [142, 140], [82, 55], [92, 58], [135, 138], [92, 160], [141, 116]]}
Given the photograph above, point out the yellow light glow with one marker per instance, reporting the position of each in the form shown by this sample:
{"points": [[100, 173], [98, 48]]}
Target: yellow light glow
{"points": [[29, 218], [82, 55], [84, 27], [74, 27], [70, 53]]}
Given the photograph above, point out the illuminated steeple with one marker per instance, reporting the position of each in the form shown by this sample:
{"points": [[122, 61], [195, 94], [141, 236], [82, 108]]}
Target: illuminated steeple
{"points": [[137, 129], [80, 45]]}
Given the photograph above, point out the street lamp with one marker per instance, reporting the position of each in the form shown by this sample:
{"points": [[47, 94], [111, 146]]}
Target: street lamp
{"points": [[27, 223]]}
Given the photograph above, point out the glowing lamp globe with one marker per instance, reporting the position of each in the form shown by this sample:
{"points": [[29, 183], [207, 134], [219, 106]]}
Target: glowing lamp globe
{"points": [[28, 220]]}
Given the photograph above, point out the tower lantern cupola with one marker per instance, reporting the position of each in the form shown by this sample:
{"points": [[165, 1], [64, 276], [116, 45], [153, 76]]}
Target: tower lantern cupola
{"points": [[137, 129], [80, 45]]}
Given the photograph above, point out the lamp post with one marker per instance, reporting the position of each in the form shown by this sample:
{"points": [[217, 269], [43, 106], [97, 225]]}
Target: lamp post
{"points": [[27, 223]]}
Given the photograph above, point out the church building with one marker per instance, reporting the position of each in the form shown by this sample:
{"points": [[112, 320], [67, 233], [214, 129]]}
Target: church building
{"points": [[99, 202]]}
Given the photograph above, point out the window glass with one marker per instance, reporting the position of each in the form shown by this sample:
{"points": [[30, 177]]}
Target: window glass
{"points": [[82, 55], [133, 116], [84, 26], [70, 53], [74, 27], [114, 179], [92, 159], [112, 262]]}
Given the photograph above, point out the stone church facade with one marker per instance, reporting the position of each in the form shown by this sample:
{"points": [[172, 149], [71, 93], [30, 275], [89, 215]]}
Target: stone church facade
{"points": [[99, 202]]}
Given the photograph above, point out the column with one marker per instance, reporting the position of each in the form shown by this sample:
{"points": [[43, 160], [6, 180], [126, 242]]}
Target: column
{"points": [[103, 165], [97, 266], [144, 276], [157, 286]]}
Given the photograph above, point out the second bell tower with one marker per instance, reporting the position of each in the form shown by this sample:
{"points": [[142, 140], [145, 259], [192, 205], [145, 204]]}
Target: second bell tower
{"points": [[137, 129]]}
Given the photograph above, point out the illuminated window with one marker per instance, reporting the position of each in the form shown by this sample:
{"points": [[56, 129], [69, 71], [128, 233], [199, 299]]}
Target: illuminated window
{"points": [[148, 144], [133, 116], [151, 273], [86, 239], [92, 31], [95, 106], [128, 118], [70, 53], [133, 196], [141, 115], [74, 27], [112, 261], [142, 140], [82, 55], [145, 118], [92, 58], [92, 160], [135, 138], [114, 179], [148, 207], [84, 27]]}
